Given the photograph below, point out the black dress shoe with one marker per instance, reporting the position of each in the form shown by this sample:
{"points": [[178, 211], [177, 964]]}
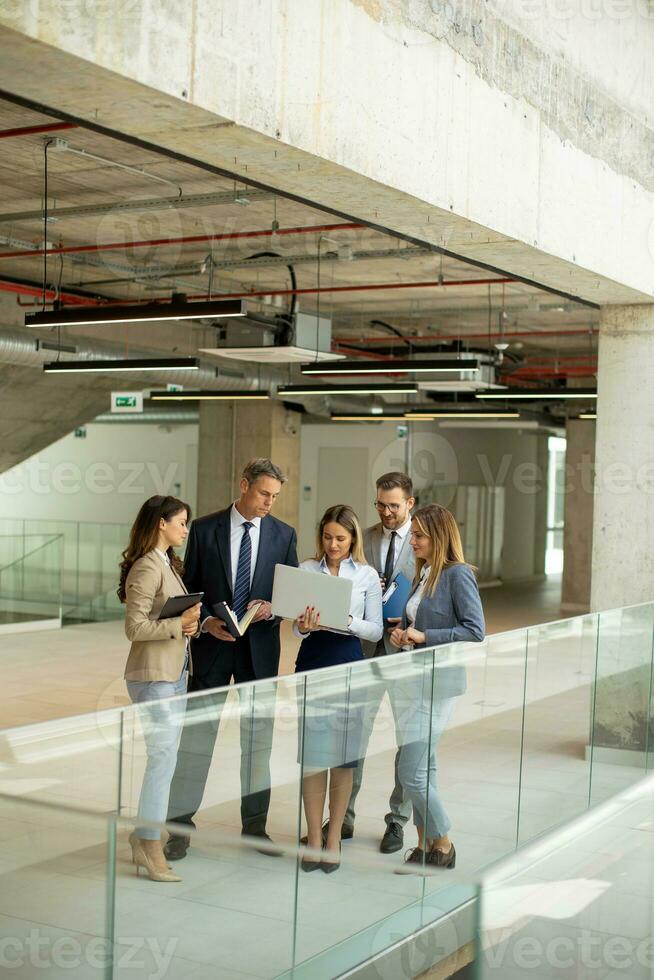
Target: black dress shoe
{"points": [[442, 859], [308, 864], [347, 833], [393, 839], [413, 857], [267, 845], [176, 846]]}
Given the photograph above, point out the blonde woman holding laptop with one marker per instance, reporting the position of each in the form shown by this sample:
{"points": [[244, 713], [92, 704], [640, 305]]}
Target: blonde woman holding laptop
{"points": [[332, 733]]}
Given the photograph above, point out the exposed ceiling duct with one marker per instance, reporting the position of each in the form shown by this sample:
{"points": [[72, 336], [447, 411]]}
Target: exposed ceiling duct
{"points": [[21, 349]]}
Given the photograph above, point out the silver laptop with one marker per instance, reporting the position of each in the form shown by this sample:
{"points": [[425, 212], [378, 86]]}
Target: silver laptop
{"points": [[294, 589]]}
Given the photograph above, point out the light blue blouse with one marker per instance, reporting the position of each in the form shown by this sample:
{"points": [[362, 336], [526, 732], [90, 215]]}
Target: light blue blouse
{"points": [[366, 603]]}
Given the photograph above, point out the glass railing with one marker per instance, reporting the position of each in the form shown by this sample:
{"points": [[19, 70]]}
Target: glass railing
{"points": [[90, 558], [578, 902], [517, 731], [30, 581]]}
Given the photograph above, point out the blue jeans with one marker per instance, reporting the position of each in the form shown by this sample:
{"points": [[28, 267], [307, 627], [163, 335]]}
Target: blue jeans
{"points": [[417, 767], [161, 721]]}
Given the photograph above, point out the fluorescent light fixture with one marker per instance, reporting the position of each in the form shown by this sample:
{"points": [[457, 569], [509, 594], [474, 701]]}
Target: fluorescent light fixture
{"points": [[395, 366], [121, 365], [374, 417], [208, 395], [355, 389], [369, 417], [588, 415], [508, 414], [87, 316], [543, 394]]}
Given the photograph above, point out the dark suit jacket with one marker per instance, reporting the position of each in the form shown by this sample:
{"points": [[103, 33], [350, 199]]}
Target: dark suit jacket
{"points": [[208, 569]]}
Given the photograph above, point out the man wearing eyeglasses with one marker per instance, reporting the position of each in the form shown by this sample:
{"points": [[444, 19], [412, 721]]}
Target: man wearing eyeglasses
{"points": [[388, 549]]}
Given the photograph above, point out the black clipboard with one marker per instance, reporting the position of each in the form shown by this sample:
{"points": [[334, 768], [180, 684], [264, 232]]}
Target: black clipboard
{"points": [[177, 604]]}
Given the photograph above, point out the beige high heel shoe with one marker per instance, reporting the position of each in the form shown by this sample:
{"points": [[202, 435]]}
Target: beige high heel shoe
{"points": [[142, 859]]}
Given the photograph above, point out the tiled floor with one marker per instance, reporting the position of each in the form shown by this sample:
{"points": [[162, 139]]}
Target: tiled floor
{"points": [[237, 913], [582, 909]]}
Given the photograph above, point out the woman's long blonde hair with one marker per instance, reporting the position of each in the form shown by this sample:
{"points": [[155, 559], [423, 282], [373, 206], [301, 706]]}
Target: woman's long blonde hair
{"points": [[439, 525], [344, 515]]}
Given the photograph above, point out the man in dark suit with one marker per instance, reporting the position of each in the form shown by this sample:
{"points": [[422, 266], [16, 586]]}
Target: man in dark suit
{"points": [[231, 557]]}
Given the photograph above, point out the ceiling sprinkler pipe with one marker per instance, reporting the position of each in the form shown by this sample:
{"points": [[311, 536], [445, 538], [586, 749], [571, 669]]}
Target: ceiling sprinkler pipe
{"points": [[184, 240]]}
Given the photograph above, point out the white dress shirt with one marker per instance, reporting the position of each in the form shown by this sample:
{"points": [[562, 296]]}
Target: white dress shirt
{"points": [[366, 602], [402, 533], [415, 600], [237, 521]]}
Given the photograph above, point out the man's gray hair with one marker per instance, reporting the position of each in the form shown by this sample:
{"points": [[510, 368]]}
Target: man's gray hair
{"points": [[262, 467]]}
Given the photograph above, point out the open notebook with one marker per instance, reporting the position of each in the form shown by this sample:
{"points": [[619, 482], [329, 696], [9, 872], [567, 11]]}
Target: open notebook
{"points": [[236, 627]]}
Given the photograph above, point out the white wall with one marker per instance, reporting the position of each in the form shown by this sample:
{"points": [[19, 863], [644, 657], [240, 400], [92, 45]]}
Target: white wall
{"points": [[515, 459], [104, 477]]}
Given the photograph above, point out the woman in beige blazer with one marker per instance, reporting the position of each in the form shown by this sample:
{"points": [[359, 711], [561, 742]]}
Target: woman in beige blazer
{"points": [[159, 660]]}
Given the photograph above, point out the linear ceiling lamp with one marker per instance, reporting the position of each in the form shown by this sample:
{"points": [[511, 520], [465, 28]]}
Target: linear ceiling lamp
{"points": [[372, 388], [542, 394], [395, 366], [88, 316], [208, 395], [121, 365], [429, 415], [587, 415], [373, 417]]}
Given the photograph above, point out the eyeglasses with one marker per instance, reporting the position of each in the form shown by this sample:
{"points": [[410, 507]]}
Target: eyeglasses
{"points": [[394, 508]]}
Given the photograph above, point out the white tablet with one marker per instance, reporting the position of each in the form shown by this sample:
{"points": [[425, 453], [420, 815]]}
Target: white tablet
{"points": [[295, 588]]}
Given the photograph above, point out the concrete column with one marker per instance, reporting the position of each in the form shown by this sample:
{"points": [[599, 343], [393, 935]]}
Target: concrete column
{"points": [[578, 516], [231, 433], [623, 521]]}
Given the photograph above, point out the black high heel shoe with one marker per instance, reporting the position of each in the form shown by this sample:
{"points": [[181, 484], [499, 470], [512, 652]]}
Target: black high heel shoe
{"points": [[308, 864], [330, 866]]}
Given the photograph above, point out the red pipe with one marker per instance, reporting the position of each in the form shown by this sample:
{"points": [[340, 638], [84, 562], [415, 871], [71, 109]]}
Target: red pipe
{"points": [[579, 372], [24, 290], [31, 130], [296, 292], [185, 240]]}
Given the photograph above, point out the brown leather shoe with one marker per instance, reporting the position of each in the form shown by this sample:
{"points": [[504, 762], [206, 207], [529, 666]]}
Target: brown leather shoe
{"points": [[442, 859]]}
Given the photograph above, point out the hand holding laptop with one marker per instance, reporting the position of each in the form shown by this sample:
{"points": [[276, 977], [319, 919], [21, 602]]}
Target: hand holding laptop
{"points": [[309, 621]]}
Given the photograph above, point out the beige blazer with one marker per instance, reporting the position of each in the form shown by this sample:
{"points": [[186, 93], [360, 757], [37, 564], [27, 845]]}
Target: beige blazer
{"points": [[158, 646]]}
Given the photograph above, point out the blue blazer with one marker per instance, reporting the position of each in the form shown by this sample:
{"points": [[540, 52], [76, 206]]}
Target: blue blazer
{"points": [[453, 613], [208, 569]]}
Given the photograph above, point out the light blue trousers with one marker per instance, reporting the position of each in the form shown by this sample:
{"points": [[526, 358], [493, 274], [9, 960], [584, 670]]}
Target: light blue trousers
{"points": [[417, 767], [161, 721]]}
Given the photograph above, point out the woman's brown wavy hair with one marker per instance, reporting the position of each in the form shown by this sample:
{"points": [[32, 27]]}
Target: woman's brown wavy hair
{"points": [[145, 533]]}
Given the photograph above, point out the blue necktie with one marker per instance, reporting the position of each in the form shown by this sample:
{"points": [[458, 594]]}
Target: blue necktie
{"points": [[242, 582]]}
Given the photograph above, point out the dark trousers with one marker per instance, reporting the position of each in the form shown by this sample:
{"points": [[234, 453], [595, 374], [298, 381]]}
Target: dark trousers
{"points": [[199, 738]]}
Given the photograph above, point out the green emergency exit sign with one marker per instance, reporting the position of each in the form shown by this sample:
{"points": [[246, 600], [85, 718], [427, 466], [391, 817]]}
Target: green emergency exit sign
{"points": [[126, 401]]}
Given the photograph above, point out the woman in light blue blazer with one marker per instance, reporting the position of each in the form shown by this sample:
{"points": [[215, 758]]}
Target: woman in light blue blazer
{"points": [[444, 607]]}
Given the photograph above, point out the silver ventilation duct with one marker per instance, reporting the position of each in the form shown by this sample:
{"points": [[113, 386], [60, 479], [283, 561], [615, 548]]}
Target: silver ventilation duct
{"points": [[22, 349]]}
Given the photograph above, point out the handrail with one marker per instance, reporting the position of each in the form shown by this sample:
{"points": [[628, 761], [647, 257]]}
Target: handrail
{"points": [[34, 551]]}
